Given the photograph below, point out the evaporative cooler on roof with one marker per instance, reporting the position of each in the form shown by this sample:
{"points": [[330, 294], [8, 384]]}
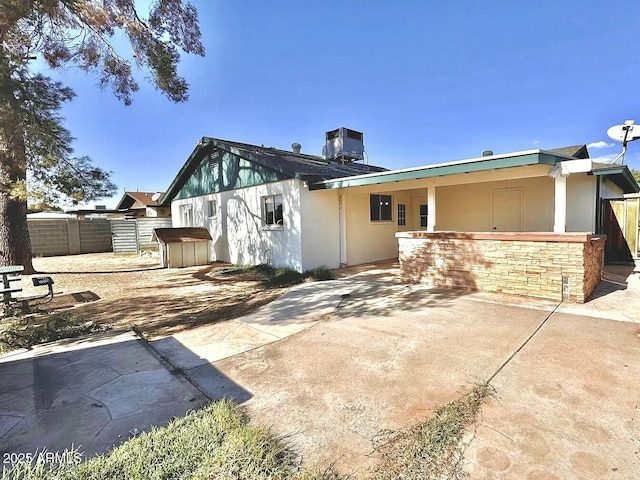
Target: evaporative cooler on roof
{"points": [[344, 144]]}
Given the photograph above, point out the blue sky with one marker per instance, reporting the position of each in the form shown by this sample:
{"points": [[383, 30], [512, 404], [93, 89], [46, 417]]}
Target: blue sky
{"points": [[425, 81]]}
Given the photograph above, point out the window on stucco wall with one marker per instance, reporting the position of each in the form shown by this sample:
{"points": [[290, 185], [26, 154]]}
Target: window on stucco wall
{"points": [[424, 210], [380, 208], [186, 215], [272, 211], [402, 214], [212, 209]]}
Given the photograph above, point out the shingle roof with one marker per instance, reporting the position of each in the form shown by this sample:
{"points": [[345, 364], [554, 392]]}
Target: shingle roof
{"points": [[310, 168], [297, 165], [575, 151], [180, 234]]}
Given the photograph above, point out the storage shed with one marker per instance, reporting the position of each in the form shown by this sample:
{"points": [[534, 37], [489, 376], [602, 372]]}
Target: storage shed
{"points": [[183, 247]]}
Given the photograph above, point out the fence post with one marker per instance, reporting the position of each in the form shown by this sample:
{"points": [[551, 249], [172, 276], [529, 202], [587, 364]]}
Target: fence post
{"points": [[73, 236]]}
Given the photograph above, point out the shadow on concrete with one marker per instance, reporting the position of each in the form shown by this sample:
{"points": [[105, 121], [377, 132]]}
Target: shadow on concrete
{"points": [[373, 298], [198, 371], [614, 278], [95, 393]]}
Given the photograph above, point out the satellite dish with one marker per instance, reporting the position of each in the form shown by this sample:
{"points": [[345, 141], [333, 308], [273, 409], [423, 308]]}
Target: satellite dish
{"points": [[156, 196], [624, 133]]}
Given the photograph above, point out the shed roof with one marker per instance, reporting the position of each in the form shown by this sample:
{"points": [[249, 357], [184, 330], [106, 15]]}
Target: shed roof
{"points": [[311, 168], [180, 234]]}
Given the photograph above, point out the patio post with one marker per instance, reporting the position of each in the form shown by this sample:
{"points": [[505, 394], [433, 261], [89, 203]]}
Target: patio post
{"points": [[431, 208], [560, 210]]}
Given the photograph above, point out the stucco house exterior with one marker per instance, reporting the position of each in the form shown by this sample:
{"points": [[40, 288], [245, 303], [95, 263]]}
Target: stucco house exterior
{"points": [[302, 211], [257, 204]]}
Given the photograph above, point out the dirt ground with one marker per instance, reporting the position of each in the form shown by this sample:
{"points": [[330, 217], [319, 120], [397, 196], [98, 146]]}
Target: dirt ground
{"points": [[126, 291]]}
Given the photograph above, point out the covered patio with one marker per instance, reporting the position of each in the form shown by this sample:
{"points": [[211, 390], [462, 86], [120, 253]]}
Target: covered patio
{"points": [[537, 191]]}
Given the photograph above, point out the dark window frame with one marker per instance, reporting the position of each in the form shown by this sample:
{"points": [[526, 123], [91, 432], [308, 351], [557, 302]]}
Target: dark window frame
{"points": [[272, 211], [380, 208], [424, 215]]}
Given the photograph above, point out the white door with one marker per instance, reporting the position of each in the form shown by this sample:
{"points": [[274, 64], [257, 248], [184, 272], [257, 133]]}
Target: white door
{"points": [[506, 212]]}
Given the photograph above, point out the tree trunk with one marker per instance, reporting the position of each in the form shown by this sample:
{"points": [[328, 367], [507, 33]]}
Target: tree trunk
{"points": [[15, 245]]}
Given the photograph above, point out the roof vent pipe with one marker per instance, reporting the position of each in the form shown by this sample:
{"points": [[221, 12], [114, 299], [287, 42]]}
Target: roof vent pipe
{"points": [[296, 147], [487, 153]]}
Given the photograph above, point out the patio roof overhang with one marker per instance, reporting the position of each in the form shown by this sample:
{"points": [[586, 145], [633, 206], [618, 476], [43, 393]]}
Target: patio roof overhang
{"points": [[619, 174], [494, 162]]}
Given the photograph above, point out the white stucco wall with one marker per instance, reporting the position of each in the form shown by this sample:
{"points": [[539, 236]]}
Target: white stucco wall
{"points": [[237, 233], [581, 203], [320, 220]]}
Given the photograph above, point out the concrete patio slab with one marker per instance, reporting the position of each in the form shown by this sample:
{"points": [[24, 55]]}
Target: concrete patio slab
{"points": [[87, 392], [567, 406], [375, 364]]}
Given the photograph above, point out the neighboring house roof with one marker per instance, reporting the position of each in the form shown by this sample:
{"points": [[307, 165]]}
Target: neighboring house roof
{"points": [[131, 200], [180, 235], [619, 174], [281, 164], [50, 215]]}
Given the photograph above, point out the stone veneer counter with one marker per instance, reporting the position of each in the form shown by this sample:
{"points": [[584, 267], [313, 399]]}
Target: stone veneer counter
{"points": [[537, 264]]}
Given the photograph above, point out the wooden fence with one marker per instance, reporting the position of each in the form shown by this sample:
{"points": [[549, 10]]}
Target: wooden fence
{"points": [[622, 227]]}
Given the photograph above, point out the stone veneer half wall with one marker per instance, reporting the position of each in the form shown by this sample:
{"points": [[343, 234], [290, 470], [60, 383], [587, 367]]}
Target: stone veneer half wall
{"points": [[530, 264]]}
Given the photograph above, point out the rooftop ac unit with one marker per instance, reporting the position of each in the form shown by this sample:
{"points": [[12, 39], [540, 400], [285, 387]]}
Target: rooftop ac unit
{"points": [[344, 144]]}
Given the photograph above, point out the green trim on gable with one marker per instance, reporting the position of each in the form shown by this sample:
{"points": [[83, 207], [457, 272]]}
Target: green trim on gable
{"points": [[227, 172]]}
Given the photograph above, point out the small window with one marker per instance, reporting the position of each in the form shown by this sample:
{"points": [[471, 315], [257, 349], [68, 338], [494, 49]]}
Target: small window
{"points": [[186, 215], [212, 208], [423, 216], [402, 214], [380, 208], [272, 210]]}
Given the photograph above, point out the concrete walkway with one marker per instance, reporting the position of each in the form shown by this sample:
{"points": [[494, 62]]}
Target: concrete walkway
{"points": [[302, 307]]}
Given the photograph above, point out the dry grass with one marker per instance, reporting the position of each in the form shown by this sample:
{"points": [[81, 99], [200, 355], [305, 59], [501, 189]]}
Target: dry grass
{"points": [[432, 449], [130, 291], [215, 442]]}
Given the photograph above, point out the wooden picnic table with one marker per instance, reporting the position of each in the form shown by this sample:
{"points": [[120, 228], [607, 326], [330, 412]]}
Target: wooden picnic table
{"points": [[10, 273]]}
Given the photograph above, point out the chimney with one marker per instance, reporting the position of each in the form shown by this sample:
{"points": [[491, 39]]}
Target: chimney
{"points": [[296, 147]]}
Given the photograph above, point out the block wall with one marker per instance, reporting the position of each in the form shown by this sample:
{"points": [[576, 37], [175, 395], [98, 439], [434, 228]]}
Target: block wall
{"points": [[517, 264], [52, 237]]}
